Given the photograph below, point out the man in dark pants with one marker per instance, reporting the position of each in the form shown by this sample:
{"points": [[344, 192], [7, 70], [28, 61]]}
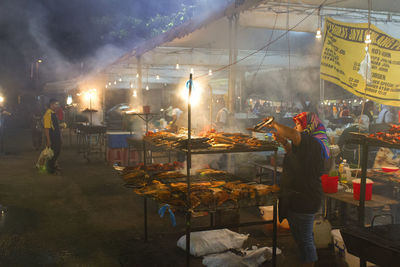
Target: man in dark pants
{"points": [[52, 132]]}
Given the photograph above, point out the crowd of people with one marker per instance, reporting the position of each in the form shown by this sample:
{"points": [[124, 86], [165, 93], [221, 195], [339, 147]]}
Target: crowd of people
{"points": [[341, 112]]}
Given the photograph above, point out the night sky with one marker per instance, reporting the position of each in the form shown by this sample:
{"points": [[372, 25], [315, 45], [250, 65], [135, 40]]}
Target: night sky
{"points": [[66, 33]]}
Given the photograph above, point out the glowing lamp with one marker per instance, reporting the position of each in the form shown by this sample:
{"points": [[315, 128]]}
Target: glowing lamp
{"points": [[69, 100], [318, 35], [368, 38]]}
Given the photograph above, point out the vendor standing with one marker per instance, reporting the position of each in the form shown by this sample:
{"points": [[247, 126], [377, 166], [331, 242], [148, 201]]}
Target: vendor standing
{"points": [[301, 191]]}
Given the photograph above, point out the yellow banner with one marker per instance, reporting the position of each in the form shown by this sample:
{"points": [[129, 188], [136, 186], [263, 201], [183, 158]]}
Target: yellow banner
{"points": [[344, 51]]}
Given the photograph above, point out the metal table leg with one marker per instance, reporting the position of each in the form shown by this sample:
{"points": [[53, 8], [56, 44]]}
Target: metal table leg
{"points": [[145, 218], [188, 222], [275, 233]]}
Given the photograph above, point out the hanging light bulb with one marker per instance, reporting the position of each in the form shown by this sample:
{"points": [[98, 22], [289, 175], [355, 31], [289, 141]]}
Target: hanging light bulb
{"points": [[210, 72], [109, 83], [157, 77], [318, 35], [131, 85], [115, 82], [106, 86], [191, 71], [134, 93], [177, 66], [147, 87], [368, 38], [137, 75], [120, 80]]}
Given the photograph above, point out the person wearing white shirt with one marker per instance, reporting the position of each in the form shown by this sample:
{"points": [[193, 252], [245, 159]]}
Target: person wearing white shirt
{"points": [[386, 115]]}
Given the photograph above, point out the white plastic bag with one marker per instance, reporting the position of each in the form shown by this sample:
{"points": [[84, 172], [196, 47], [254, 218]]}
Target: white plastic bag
{"points": [[214, 241], [251, 258], [44, 156]]}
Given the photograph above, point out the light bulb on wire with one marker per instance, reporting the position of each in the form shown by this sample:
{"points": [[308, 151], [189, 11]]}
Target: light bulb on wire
{"points": [[192, 71], [368, 38], [147, 87], [137, 75], [115, 82], [318, 35], [131, 85], [120, 80], [177, 66], [157, 77], [134, 93], [210, 72]]}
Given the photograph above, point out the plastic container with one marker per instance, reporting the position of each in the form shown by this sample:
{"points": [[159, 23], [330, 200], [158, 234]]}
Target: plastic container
{"points": [[357, 186], [329, 184], [344, 169], [341, 251], [266, 212], [322, 232]]}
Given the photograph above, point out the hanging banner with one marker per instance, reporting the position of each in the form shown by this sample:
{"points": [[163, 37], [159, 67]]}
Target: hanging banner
{"points": [[345, 61]]}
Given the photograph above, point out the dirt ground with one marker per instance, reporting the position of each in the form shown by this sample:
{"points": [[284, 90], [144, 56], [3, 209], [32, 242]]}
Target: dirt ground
{"points": [[86, 217]]}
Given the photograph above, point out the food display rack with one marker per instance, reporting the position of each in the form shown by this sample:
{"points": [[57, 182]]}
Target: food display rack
{"points": [[365, 141], [272, 201], [189, 152], [91, 140]]}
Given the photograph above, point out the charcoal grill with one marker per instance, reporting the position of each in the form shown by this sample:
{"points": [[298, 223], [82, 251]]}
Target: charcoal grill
{"points": [[377, 244]]}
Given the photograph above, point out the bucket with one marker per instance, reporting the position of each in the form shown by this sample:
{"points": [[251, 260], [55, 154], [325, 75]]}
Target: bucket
{"points": [[329, 184], [357, 186], [146, 109]]}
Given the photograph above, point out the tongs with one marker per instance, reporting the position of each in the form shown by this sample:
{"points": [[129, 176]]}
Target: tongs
{"points": [[259, 126]]}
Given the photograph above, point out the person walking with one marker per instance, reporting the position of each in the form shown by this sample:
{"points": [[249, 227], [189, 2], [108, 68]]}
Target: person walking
{"points": [[53, 135], [301, 190]]}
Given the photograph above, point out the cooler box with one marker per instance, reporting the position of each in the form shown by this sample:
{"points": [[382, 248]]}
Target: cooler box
{"points": [[117, 148]]}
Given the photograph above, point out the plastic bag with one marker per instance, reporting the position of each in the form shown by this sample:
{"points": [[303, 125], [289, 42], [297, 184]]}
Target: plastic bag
{"points": [[44, 156], [250, 258], [214, 241]]}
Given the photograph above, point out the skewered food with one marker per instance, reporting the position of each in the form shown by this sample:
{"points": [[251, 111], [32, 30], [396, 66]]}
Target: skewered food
{"points": [[136, 177], [169, 175], [211, 172], [392, 136]]}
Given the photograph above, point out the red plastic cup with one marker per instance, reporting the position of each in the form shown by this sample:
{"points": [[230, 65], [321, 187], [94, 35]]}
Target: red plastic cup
{"points": [[329, 184], [357, 187]]}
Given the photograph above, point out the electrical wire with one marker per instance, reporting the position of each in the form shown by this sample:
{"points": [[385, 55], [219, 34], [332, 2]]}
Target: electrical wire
{"points": [[265, 46], [266, 50]]}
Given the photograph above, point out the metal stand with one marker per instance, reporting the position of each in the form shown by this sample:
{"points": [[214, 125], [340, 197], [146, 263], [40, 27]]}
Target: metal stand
{"points": [[146, 117]]}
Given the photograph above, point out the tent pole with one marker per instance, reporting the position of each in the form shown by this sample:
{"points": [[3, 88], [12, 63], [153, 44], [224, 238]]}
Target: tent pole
{"points": [[139, 81]]}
